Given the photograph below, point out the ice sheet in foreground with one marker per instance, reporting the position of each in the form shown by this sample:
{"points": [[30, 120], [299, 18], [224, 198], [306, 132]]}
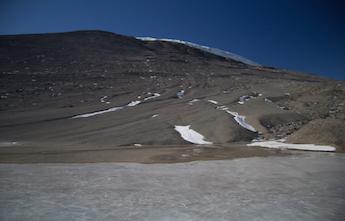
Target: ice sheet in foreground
{"points": [[281, 145], [191, 135]]}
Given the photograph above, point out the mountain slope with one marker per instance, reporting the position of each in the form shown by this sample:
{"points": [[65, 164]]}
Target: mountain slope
{"points": [[215, 51], [127, 87]]}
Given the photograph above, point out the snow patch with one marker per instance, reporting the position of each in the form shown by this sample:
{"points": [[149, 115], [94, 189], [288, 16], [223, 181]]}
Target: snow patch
{"points": [[98, 112], [241, 120], [213, 101], [155, 115], [155, 95], [268, 100], [138, 145], [191, 135], [193, 101], [223, 108], [133, 103], [103, 99], [281, 145], [245, 98]]}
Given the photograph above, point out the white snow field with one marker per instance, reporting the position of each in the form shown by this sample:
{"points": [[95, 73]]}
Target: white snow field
{"points": [[282, 145], [191, 135], [303, 187], [215, 51]]}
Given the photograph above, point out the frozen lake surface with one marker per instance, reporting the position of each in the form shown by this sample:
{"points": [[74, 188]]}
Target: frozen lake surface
{"points": [[310, 186]]}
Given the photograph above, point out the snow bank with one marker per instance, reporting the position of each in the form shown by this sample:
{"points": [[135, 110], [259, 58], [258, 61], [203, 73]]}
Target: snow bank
{"points": [[191, 135], [281, 145], [240, 119]]}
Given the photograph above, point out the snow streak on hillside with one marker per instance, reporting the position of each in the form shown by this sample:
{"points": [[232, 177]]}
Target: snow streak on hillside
{"points": [[191, 135], [215, 51]]}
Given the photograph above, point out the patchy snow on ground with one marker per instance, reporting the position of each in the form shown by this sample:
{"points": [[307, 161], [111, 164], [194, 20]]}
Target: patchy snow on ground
{"points": [[213, 101], [103, 99], [98, 112], [155, 95], [191, 135], [244, 98], [268, 100], [281, 145], [238, 118], [193, 101], [133, 103], [223, 108], [241, 120]]}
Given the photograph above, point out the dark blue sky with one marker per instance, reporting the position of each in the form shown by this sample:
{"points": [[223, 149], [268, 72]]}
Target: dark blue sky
{"points": [[302, 35]]}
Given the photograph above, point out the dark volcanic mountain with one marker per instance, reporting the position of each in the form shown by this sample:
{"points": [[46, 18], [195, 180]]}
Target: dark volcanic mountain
{"points": [[80, 93]]}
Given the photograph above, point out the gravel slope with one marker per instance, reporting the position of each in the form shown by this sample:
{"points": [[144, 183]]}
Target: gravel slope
{"points": [[46, 79]]}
